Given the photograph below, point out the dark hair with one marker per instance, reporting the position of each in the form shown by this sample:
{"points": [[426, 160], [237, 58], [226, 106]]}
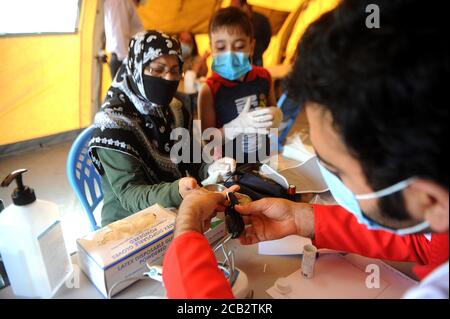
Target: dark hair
{"points": [[386, 89], [194, 47], [231, 17]]}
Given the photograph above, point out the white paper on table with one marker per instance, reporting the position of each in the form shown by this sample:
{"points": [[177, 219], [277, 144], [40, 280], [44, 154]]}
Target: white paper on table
{"points": [[338, 276], [398, 282], [296, 150], [306, 176], [289, 245]]}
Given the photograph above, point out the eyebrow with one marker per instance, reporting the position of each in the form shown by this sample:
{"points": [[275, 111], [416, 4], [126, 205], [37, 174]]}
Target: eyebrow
{"points": [[163, 64], [235, 40]]}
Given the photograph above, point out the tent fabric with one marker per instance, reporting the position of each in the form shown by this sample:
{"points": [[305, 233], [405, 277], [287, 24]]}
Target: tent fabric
{"points": [[32, 81], [51, 84], [307, 15], [175, 16], [46, 81]]}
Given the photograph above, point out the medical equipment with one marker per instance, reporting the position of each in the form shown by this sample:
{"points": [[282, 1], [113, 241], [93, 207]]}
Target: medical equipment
{"points": [[236, 277], [154, 272], [233, 220], [308, 260]]}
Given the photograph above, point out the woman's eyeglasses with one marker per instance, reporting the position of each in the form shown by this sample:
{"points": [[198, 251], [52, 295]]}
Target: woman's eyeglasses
{"points": [[161, 71]]}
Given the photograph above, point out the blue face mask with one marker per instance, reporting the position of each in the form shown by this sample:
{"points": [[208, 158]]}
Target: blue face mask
{"points": [[231, 65], [186, 50], [345, 198]]}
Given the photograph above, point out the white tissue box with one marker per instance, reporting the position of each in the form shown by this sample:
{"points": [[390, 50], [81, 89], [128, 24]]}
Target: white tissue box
{"points": [[216, 232], [122, 249]]}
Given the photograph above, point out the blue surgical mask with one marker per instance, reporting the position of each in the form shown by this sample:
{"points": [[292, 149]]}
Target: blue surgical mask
{"points": [[347, 199], [186, 50], [231, 65]]}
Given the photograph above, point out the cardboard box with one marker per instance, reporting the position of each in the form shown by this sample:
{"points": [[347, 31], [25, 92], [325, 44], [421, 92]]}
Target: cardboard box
{"points": [[216, 232], [122, 249]]}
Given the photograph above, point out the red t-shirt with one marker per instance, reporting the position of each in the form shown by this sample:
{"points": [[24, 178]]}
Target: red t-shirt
{"points": [[190, 267]]}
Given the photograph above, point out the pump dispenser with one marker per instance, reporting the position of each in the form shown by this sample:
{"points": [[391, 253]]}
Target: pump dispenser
{"points": [[31, 243]]}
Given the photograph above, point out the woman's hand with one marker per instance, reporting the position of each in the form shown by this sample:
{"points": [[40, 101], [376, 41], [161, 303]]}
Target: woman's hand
{"points": [[187, 185], [275, 218], [198, 208]]}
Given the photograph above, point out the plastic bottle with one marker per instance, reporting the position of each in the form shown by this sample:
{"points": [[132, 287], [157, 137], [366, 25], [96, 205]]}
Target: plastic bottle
{"points": [[291, 192], [32, 244]]}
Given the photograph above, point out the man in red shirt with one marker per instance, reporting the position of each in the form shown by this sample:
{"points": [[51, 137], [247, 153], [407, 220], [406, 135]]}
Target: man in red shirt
{"points": [[377, 106]]}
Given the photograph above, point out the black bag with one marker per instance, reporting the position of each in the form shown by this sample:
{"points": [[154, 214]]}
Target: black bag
{"points": [[255, 185]]}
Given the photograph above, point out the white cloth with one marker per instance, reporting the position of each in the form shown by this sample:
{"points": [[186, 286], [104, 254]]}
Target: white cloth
{"points": [[220, 170], [433, 286], [121, 23]]}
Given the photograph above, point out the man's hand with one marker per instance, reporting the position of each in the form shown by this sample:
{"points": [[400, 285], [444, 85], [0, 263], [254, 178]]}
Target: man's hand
{"points": [[275, 218], [198, 208], [186, 185]]}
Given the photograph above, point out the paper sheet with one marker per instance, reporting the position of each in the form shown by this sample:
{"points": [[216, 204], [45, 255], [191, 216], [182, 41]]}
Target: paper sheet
{"points": [[290, 245], [338, 276], [306, 176], [296, 150]]}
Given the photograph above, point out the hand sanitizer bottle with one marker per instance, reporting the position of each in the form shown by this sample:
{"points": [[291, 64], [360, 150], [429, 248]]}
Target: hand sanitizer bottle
{"points": [[32, 244]]}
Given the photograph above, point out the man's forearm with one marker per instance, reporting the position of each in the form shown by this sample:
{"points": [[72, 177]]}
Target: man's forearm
{"points": [[187, 220], [304, 220]]}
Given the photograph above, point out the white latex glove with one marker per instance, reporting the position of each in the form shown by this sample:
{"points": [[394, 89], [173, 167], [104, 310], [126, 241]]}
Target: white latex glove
{"points": [[220, 170], [277, 116], [257, 121], [271, 115]]}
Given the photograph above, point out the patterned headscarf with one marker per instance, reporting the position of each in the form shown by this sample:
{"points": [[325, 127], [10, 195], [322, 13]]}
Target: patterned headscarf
{"points": [[129, 123], [144, 47]]}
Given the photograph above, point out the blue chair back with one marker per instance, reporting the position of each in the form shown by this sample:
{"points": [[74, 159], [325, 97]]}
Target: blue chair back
{"points": [[83, 177], [290, 111]]}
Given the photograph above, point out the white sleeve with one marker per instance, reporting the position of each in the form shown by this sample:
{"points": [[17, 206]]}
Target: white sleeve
{"points": [[135, 22], [117, 27], [434, 286]]}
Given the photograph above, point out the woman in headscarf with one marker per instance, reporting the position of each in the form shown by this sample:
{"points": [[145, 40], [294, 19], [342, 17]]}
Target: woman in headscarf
{"points": [[131, 143]]}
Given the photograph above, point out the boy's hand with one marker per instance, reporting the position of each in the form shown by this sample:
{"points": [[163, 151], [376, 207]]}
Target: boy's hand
{"points": [[277, 116], [271, 116], [257, 121]]}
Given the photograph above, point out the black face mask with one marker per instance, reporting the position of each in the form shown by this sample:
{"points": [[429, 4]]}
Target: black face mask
{"points": [[159, 91]]}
